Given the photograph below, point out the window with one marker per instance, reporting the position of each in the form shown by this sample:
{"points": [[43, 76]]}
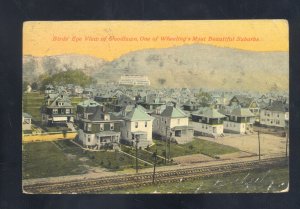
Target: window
{"points": [[111, 126], [55, 111], [89, 127], [89, 139], [178, 133], [106, 117], [136, 124], [101, 126], [146, 124]]}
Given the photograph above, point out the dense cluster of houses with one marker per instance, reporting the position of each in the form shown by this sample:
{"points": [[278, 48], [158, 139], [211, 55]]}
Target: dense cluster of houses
{"points": [[113, 114]]}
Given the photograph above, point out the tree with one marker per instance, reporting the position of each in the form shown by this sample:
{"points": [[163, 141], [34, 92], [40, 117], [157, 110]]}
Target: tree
{"points": [[34, 86], [161, 81], [204, 97], [76, 77]]}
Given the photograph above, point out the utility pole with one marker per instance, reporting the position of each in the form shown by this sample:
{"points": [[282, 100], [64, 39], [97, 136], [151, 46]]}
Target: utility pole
{"points": [[154, 155], [169, 151], [286, 143], [258, 145], [166, 145], [136, 152]]}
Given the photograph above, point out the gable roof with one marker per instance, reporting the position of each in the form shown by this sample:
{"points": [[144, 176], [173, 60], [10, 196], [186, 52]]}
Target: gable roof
{"points": [[244, 101], [61, 98], [173, 112], [209, 113], [88, 103], [241, 112], [138, 114], [278, 106], [97, 116], [26, 115]]}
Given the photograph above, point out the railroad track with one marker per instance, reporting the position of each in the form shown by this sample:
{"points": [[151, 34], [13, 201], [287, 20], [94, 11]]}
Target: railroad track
{"points": [[105, 184]]}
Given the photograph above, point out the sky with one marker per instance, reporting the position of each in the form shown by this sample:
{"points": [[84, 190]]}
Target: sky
{"points": [[111, 39]]}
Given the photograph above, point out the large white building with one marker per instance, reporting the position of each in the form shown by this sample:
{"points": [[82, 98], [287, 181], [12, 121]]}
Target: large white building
{"points": [[134, 80]]}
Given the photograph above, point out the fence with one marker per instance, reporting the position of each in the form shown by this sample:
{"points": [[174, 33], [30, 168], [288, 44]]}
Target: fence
{"points": [[50, 136]]}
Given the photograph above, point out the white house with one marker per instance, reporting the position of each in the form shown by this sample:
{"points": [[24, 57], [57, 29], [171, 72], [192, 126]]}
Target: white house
{"points": [[238, 120], [173, 121], [49, 89], [208, 121], [26, 121], [137, 124], [275, 115]]}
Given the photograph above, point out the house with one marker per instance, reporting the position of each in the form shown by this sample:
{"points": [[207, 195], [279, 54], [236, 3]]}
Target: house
{"points": [[86, 108], [106, 99], [152, 101], [238, 120], [173, 121], [88, 93], [208, 121], [49, 89], [28, 89], [190, 106], [57, 110], [137, 124], [100, 130], [26, 121], [246, 102], [275, 115], [121, 102], [77, 90]]}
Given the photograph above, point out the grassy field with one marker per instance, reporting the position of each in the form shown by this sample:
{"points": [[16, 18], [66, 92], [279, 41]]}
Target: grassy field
{"points": [[76, 100], [271, 180], [58, 158], [32, 103], [197, 146], [44, 159], [142, 154]]}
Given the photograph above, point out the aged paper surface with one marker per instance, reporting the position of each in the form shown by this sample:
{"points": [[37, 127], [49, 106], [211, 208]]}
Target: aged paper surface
{"points": [[155, 106]]}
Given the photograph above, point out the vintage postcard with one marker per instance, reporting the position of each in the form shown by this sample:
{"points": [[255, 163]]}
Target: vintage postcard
{"points": [[129, 107]]}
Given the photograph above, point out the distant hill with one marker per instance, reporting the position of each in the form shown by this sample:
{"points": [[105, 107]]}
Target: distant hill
{"points": [[204, 66], [35, 66], [189, 66]]}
